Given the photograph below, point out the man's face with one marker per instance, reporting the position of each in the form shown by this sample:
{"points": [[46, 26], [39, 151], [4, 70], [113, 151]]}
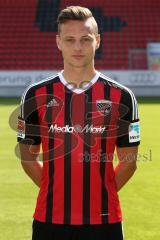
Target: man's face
{"points": [[77, 43]]}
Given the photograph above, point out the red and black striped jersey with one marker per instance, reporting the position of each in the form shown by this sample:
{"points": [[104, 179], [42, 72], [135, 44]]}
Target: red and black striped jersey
{"points": [[79, 130]]}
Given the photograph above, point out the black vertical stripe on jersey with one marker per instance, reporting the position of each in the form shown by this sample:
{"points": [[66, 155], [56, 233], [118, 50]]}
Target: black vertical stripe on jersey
{"points": [[86, 162], [130, 106], [104, 197], [49, 116], [67, 159]]}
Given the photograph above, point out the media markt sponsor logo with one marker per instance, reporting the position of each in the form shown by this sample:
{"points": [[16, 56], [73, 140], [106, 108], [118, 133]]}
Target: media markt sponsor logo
{"points": [[134, 132], [104, 106], [76, 128]]}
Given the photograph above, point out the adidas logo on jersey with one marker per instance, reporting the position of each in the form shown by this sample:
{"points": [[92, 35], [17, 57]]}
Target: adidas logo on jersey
{"points": [[52, 103]]}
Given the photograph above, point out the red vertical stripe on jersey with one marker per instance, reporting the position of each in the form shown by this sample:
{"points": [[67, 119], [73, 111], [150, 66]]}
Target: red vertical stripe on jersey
{"points": [[77, 160], [58, 188], [95, 177], [113, 202], [41, 200]]}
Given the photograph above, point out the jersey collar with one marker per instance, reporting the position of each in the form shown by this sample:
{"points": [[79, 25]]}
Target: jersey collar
{"points": [[78, 90]]}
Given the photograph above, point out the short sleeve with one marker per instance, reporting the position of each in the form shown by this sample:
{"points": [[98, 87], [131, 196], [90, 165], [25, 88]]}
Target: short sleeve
{"points": [[128, 123], [28, 130]]}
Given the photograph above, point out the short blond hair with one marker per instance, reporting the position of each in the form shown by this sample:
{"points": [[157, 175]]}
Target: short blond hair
{"points": [[76, 13]]}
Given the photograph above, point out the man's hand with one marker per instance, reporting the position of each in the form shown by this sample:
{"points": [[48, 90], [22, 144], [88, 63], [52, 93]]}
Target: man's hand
{"points": [[29, 161], [127, 157]]}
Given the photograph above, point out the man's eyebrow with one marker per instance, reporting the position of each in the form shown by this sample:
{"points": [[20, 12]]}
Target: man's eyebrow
{"points": [[87, 36], [68, 36], [84, 36]]}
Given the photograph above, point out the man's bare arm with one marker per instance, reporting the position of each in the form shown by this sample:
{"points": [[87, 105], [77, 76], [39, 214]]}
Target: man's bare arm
{"points": [[126, 167], [30, 163]]}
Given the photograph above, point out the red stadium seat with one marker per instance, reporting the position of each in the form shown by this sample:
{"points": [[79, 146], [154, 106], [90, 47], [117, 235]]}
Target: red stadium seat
{"points": [[24, 46]]}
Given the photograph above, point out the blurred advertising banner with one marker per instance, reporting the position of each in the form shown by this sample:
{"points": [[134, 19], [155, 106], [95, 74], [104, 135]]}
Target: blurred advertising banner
{"points": [[143, 83], [153, 54], [22, 78]]}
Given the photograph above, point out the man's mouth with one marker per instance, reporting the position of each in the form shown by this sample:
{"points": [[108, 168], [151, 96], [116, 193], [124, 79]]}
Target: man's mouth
{"points": [[78, 56]]}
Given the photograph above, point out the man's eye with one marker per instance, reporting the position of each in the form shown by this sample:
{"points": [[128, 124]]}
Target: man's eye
{"points": [[69, 40], [87, 39]]}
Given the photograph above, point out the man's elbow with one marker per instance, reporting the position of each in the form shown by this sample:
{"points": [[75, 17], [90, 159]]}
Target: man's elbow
{"points": [[23, 164], [26, 165], [132, 167]]}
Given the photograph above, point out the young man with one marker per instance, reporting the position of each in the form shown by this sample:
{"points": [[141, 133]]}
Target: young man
{"points": [[78, 116]]}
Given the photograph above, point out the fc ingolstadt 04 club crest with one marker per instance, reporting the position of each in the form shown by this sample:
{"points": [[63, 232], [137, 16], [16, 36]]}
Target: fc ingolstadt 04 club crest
{"points": [[104, 106]]}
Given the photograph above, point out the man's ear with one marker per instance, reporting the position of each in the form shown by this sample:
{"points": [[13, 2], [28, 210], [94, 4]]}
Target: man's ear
{"points": [[58, 41], [97, 46], [98, 39]]}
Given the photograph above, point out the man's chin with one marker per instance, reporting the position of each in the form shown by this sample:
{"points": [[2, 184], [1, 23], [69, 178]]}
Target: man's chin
{"points": [[80, 65]]}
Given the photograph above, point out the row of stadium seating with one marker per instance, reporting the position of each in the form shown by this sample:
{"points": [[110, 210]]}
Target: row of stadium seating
{"points": [[28, 33]]}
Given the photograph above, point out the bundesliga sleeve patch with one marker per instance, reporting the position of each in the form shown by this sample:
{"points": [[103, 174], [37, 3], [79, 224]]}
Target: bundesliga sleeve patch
{"points": [[134, 132], [21, 128]]}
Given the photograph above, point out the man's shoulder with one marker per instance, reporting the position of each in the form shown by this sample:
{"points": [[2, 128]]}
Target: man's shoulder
{"points": [[127, 92], [30, 90], [43, 82]]}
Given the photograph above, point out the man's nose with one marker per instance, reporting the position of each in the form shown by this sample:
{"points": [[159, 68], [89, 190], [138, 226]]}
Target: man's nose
{"points": [[77, 45]]}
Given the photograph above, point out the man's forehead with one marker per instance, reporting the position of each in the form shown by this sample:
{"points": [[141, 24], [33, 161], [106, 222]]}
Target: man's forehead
{"points": [[73, 27]]}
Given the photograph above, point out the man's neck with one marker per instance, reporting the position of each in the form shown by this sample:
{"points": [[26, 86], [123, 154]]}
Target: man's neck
{"points": [[78, 75]]}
